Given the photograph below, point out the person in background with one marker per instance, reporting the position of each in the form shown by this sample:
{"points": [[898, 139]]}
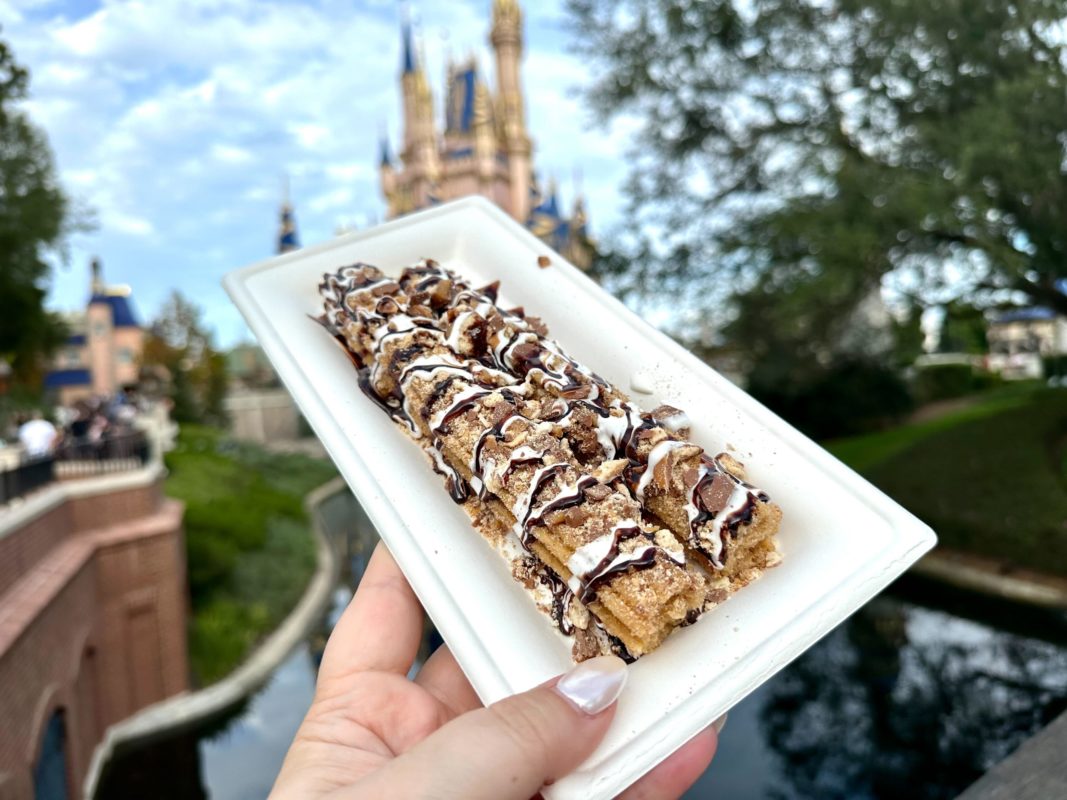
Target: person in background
{"points": [[38, 436]]}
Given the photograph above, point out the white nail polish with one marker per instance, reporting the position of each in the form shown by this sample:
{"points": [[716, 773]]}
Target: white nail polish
{"points": [[595, 684], [719, 724]]}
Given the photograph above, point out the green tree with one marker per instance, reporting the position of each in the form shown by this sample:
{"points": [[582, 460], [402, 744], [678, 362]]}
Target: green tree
{"points": [[35, 215], [908, 337], [963, 330], [179, 342], [791, 154]]}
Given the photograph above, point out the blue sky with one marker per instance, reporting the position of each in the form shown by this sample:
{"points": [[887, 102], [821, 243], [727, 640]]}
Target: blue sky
{"points": [[175, 120]]}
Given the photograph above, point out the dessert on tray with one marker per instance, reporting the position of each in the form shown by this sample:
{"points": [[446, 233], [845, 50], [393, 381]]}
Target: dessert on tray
{"points": [[621, 528]]}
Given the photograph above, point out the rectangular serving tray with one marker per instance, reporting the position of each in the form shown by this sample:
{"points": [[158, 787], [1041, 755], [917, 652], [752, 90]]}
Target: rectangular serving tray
{"points": [[842, 539]]}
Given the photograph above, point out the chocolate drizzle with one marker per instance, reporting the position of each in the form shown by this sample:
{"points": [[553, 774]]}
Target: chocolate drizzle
{"points": [[438, 393], [561, 600], [464, 349], [464, 401], [587, 577], [568, 498], [737, 511], [540, 478]]}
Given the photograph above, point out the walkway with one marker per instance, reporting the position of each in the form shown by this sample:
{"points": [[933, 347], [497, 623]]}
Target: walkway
{"points": [[1036, 771]]}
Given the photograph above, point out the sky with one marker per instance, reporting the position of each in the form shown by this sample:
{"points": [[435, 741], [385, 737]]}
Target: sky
{"points": [[175, 121]]}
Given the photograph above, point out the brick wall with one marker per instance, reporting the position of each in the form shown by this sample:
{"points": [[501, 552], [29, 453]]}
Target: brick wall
{"points": [[92, 622]]}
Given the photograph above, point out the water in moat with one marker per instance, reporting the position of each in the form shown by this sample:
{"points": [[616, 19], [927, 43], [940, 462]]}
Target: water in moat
{"points": [[914, 696]]}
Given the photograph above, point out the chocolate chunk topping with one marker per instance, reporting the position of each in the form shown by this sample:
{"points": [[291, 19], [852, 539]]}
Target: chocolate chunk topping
{"points": [[576, 516], [537, 325], [716, 493], [598, 491], [441, 294]]}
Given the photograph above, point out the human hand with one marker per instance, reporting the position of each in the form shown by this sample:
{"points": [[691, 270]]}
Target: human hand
{"points": [[372, 733]]}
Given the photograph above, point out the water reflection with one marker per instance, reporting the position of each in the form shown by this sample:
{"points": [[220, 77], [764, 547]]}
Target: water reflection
{"points": [[899, 701], [902, 700]]}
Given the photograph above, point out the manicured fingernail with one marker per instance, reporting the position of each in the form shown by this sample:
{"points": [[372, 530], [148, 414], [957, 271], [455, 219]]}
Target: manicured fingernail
{"points": [[719, 724], [595, 684]]}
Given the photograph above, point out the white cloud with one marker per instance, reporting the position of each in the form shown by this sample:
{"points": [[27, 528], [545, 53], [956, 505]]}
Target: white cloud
{"points": [[176, 120], [229, 154], [336, 199], [309, 135], [127, 223]]}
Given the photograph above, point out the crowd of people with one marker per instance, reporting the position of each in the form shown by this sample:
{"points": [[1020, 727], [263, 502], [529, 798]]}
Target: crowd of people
{"points": [[87, 429]]}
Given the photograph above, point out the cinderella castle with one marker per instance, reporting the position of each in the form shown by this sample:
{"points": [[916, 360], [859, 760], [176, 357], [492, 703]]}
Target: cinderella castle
{"points": [[485, 148]]}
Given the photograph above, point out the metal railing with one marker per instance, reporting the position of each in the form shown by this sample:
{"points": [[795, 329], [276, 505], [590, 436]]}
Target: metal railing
{"points": [[75, 458], [29, 475]]}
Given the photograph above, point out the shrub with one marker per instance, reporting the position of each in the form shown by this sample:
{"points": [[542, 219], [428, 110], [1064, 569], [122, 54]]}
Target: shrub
{"points": [[947, 381], [210, 560], [224, 631], [943, 382], [851, 397], [1054, 365], [250, 553]]}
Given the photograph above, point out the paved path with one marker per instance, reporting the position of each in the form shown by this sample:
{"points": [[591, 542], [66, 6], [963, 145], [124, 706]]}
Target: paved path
{"points": [[1036, 771], [994, 578]]}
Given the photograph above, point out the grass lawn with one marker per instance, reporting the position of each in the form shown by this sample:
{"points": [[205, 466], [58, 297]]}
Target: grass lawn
{"points": [[991, 479], [250, 551]]}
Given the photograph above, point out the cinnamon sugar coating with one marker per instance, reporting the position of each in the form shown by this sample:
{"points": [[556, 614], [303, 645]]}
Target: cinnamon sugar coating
{"points": [[620, 528]]}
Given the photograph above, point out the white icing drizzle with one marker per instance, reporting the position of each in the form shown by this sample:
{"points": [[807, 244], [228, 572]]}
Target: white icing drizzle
{"points": [[567, 493], [590, 572], [521, 508], [354, 291], [713, 539], [438, 367], [461, 397], [675, 422], [522, 453], [552, 368], [677, 556], [586, 558], [611, 430], [657, 455], [443, 466], [504, 349], [456, 334]]}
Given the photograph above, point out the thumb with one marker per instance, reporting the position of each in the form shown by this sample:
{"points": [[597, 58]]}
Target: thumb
{"points": [[511, 749]]}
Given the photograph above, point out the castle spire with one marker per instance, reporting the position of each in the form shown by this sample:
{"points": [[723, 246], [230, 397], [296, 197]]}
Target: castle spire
{"points": [[96, 283], [407, 58], [385, 158], [411, 77], [506, 39], [287, 237]]}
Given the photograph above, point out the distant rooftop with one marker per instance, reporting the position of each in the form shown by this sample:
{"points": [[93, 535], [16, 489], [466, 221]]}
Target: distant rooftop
{"points": [[1031, 314], [121, 308], [67, 377]]}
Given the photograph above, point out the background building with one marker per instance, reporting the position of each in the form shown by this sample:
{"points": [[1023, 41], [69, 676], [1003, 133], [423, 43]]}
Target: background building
{"points": [[485, 148], [103, 352], [1021, 339]]}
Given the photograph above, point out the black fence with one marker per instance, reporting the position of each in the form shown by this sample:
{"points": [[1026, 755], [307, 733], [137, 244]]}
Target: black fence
{"points": [[75, 459], [29, 475], [113, 447]]}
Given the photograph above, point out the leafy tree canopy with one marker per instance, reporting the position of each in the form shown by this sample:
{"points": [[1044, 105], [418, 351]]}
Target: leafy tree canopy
{"points": [[35, 214], [196, 377], [792, 154]]}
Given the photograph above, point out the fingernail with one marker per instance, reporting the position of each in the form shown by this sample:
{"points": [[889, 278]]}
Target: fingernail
{"points": [[595, 684], [719, 724]]}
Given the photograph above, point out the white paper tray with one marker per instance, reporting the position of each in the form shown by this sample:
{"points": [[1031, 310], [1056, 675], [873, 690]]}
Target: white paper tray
{"points": [[843, 540]]}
